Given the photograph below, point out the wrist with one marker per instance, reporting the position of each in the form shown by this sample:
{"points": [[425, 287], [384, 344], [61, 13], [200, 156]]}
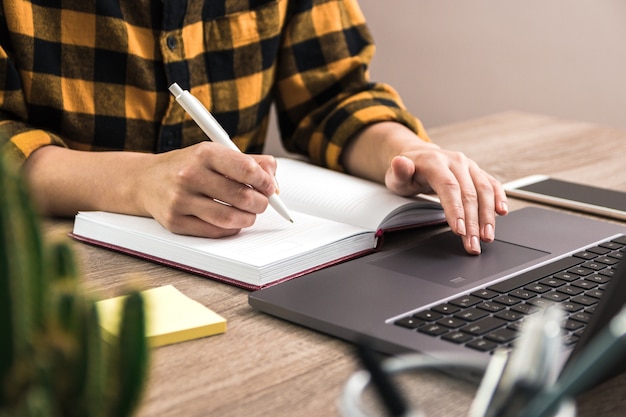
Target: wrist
{"points": [[370, 152]]}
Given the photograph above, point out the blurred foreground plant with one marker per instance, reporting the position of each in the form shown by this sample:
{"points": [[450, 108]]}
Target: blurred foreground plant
{"points": [[53, 360]]}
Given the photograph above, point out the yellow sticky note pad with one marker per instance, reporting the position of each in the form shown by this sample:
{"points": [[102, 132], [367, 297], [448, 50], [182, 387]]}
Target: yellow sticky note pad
{"points": [[171, 317]]}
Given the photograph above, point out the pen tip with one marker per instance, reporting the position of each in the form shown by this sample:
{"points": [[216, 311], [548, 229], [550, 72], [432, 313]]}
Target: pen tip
{"points": [[291, 220]]}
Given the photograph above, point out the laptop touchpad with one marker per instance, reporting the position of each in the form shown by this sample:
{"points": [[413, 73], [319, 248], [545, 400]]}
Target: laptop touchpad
{"points": [[442, 259]]}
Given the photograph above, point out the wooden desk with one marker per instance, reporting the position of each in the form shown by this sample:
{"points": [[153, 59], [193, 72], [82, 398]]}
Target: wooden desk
{"points": [[263, 366]]}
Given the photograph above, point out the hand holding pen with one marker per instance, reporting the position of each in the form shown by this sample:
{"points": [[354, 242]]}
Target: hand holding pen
{"points": [[216, 133]]}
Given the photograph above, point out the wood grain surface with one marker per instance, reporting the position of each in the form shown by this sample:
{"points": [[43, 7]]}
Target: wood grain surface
{"points": [[263, 366]]}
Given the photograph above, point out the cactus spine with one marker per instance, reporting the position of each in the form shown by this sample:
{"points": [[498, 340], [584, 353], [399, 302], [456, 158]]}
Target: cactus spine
{"points": [[53, 360]]}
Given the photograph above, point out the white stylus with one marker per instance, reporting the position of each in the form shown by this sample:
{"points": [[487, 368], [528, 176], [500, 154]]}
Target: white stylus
{"points": [[213, 130]]}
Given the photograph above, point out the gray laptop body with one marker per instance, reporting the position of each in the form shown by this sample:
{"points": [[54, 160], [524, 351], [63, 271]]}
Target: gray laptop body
{"points": [[363, 298]]}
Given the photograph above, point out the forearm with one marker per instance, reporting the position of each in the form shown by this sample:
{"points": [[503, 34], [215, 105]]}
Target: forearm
{"points": [[64, 181]]}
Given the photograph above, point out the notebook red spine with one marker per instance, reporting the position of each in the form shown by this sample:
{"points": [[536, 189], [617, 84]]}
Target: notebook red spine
{"points": [[211, 275]]}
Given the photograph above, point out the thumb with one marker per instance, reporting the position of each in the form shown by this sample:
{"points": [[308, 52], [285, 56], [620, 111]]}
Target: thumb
{"points": [[400, 176]]}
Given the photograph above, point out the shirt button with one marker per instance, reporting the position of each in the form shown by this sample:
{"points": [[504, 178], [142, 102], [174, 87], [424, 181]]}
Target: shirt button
{"points": [[172, 42]]}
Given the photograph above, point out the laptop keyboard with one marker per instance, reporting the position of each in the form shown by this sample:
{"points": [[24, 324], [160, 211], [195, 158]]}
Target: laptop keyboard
{"points": [[491, 317]]}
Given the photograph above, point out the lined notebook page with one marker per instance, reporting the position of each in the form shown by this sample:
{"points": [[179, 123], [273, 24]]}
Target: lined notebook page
{"points": [[334, 195]]}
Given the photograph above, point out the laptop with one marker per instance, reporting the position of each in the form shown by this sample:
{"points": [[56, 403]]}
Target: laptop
{"points": [[429, 296]]}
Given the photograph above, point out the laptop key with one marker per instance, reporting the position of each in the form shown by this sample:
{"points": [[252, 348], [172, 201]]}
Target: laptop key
{"points": [[507, 300], [471, 314], [599, 250], [555, 296], [584, 300], [586, 255], [446, 309], [581, 316], [540, 302], [483, 326], [597, 278], [485, 294], [490, 306], [516, 326], [597, 293], [502, 336], [451, 322], [482, 345], [597, 264], [573, 325], [428, 315], [566, 276], [509, 315], [409, 322], [570, 290], [538, 288], [433, 329], [465, 301], [524, 309], [523, 293], [584, 284], [609, 272], [571, 307], [613, 245], [580, 271], [579, 332], [457, 337], [552, 282]]}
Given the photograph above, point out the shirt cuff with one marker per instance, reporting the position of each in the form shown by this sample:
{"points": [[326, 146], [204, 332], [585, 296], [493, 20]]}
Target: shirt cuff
{"points": [[23, 141], [354, 116]]}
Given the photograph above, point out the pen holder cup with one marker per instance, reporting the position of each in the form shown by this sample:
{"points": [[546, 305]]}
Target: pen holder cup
{"points": [[358, 398]]}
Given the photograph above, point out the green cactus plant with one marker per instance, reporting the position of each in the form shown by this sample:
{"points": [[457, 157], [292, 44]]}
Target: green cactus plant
{"points": [[53, 360]]}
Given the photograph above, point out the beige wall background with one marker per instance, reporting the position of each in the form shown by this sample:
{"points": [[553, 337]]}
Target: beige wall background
{"points": [[455, 60]]}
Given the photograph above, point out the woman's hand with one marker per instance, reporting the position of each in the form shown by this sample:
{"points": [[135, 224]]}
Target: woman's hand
{"points": [[207, 189], [470, 197], [389, 152]]}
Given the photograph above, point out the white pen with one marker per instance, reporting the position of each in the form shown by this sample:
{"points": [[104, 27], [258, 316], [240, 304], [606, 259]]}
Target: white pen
{"points": [[213, 130]]}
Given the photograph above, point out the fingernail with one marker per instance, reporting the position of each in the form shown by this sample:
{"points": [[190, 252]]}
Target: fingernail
{"points": [[475, 244], [489, 231], [277, 187], [504, 207], [460, 227]]}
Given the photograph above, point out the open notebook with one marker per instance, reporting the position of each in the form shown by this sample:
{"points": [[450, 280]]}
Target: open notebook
{"points": [[336, 217]]}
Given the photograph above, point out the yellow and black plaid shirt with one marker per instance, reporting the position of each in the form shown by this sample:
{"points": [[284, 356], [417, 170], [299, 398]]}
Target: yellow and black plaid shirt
{"points": [[94, 74]]}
